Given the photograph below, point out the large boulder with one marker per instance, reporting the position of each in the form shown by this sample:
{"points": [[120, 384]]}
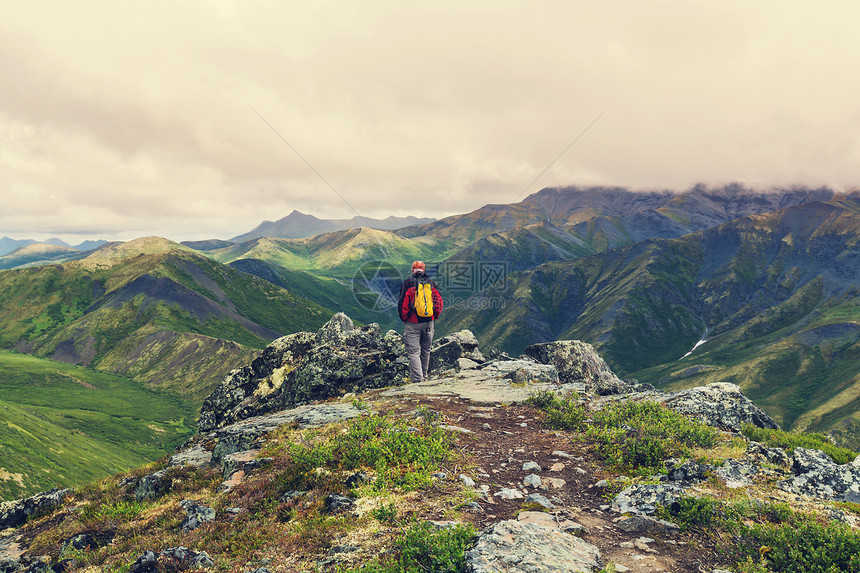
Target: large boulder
{"points": [[721, 405], [304, 367], [578, 363], [448, 350], [520, 546], [645, 498], [817, 475], [16, 512]]}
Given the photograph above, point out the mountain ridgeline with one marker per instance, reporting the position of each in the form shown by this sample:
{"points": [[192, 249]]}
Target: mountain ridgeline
{"points": [[764, 285], [774, 296]]}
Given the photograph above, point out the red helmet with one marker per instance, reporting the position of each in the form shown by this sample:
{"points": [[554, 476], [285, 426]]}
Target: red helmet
{"points": [[418, 265]]}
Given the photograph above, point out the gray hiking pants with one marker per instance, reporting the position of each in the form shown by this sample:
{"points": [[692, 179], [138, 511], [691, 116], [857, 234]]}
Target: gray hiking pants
{"points": [[418, 339]]}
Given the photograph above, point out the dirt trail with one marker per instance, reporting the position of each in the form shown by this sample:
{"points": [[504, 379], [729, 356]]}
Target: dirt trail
{"points": [[501, 438]]}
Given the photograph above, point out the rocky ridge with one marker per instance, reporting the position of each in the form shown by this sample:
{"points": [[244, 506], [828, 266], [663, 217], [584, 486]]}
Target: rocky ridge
{"points": [[476, 395]]}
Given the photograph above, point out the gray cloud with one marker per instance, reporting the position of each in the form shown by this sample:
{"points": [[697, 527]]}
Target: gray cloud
{"points": [[122, 119]]}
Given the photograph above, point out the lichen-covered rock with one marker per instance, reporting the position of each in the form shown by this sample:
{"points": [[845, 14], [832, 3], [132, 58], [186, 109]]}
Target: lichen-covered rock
{"points": [[644, 498], [521, 371], [638, 523], [513, 546], [455, 350], [736, 473], [16, 512], [248, 434], [689, 471], [578, 363], [721, 405], [153, 486], [303, 367], [817, 475], [196, 514], [173, 559], [762, 453]]}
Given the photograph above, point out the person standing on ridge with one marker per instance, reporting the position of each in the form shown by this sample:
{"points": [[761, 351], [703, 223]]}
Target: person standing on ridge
{"points": [[420, 305]]}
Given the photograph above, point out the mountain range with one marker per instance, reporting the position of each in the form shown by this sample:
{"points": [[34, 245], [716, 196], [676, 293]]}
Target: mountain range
{"points": [[298, 225], [675, 289], [8, 245]]}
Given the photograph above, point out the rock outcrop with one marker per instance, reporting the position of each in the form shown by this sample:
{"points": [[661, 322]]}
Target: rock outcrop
{"points": [[577, 363], [520, 546], [817, 475], [720, 404], [16, 512], [303, 367]]}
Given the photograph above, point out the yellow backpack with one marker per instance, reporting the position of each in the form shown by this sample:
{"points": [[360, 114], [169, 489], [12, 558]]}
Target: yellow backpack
{"points": [[423, 298]]}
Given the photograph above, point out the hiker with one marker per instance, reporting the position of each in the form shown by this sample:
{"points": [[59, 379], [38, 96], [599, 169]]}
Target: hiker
{"points": [[420, 305]]}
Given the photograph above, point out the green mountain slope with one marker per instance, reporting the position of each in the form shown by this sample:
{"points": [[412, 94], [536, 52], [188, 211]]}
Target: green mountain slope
{"points": [[150, 309], [64, 425], [340, 253], [775, 295], [334, 293]]}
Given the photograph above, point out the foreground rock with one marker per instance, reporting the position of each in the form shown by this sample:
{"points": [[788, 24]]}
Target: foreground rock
{"points": [[817, 475], [304, 367], [16, 512], [720, 404], [578, 363], [645, 498], [528, 547]]}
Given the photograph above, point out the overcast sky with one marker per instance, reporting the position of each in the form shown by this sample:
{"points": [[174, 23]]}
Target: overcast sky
{"points": [[125, 119]]}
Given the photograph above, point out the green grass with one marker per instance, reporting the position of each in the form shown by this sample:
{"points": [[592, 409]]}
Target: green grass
{"points": [[64, 425]]}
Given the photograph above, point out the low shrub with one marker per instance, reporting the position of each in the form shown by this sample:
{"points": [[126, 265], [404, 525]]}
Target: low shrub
{"points": [[765, 537], [559, 413], [400, 455], [639, 436], [425, 549]]}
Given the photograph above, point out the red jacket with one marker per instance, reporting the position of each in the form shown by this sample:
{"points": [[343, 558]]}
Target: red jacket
{"points": [[407, 300]]}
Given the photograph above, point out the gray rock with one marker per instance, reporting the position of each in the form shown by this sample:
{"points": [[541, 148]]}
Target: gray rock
{"points": [[466, 364], [153, 486], [540, 500], [467, 481], [248, 434], [196, 456], [735, 473], [521, 371], [305, 367], [817, 475], [335, 503], [181, 558], [776, 456], [532, 480], [196, 514], [686, 470], [531, 467], [445, 356], [16, 512], [644, 498], [509, 493], [638, 523], [146, 563], [578, 362], [721, 405], [514, 546]]}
